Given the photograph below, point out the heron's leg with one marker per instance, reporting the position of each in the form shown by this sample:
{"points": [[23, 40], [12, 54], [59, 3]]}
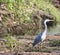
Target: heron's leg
{"points": [[44, 44], [40, 46]]}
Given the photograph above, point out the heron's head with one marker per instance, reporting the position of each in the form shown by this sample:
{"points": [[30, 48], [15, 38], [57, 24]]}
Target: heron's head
{"points": [[48, 20]]}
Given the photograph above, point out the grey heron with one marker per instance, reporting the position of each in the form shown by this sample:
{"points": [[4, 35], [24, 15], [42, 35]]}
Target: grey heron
{"points": [[42, 36]]}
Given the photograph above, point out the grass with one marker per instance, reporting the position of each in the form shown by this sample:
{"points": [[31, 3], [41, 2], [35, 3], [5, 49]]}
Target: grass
{"points": [[23, 9], [49, 7], [21, 12], [54, 43], [13, 44], [51, 46]]}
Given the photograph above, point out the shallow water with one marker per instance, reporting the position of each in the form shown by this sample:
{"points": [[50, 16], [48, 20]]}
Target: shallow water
{"points": [[54, 31]]}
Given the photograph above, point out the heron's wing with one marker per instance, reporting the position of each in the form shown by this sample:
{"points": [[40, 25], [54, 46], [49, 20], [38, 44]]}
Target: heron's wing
{"points": [[37, 39]]}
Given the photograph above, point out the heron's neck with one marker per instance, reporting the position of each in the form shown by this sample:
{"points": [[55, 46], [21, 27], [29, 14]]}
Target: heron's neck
{"points": [[45, 26]]}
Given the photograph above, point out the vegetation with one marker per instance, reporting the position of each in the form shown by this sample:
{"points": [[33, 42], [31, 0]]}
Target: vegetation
{"points": [[22, 9], [12, 43], [21, 12], [21, 17]]}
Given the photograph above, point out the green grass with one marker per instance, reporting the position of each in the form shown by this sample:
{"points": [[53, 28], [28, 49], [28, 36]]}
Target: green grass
{"points": [[20, 7], [54, 43], [22, 12], [12, 43], [49, 7]]}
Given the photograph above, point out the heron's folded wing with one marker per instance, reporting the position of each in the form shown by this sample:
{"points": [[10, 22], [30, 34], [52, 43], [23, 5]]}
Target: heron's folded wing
{"points": [[37, 39]]}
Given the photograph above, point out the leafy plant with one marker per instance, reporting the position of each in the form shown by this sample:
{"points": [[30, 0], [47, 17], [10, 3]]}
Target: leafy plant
{"points": [[12, 43], [22, 10]]}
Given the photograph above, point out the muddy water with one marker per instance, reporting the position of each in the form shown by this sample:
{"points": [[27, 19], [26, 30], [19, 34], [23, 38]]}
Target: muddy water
{"points": [[54, 31]]}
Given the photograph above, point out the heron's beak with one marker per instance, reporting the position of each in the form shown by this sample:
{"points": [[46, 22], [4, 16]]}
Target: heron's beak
{"points": [[51, 20]]}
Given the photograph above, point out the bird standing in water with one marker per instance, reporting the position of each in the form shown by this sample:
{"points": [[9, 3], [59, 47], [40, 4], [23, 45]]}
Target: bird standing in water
{"points": [[42, 36]]}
